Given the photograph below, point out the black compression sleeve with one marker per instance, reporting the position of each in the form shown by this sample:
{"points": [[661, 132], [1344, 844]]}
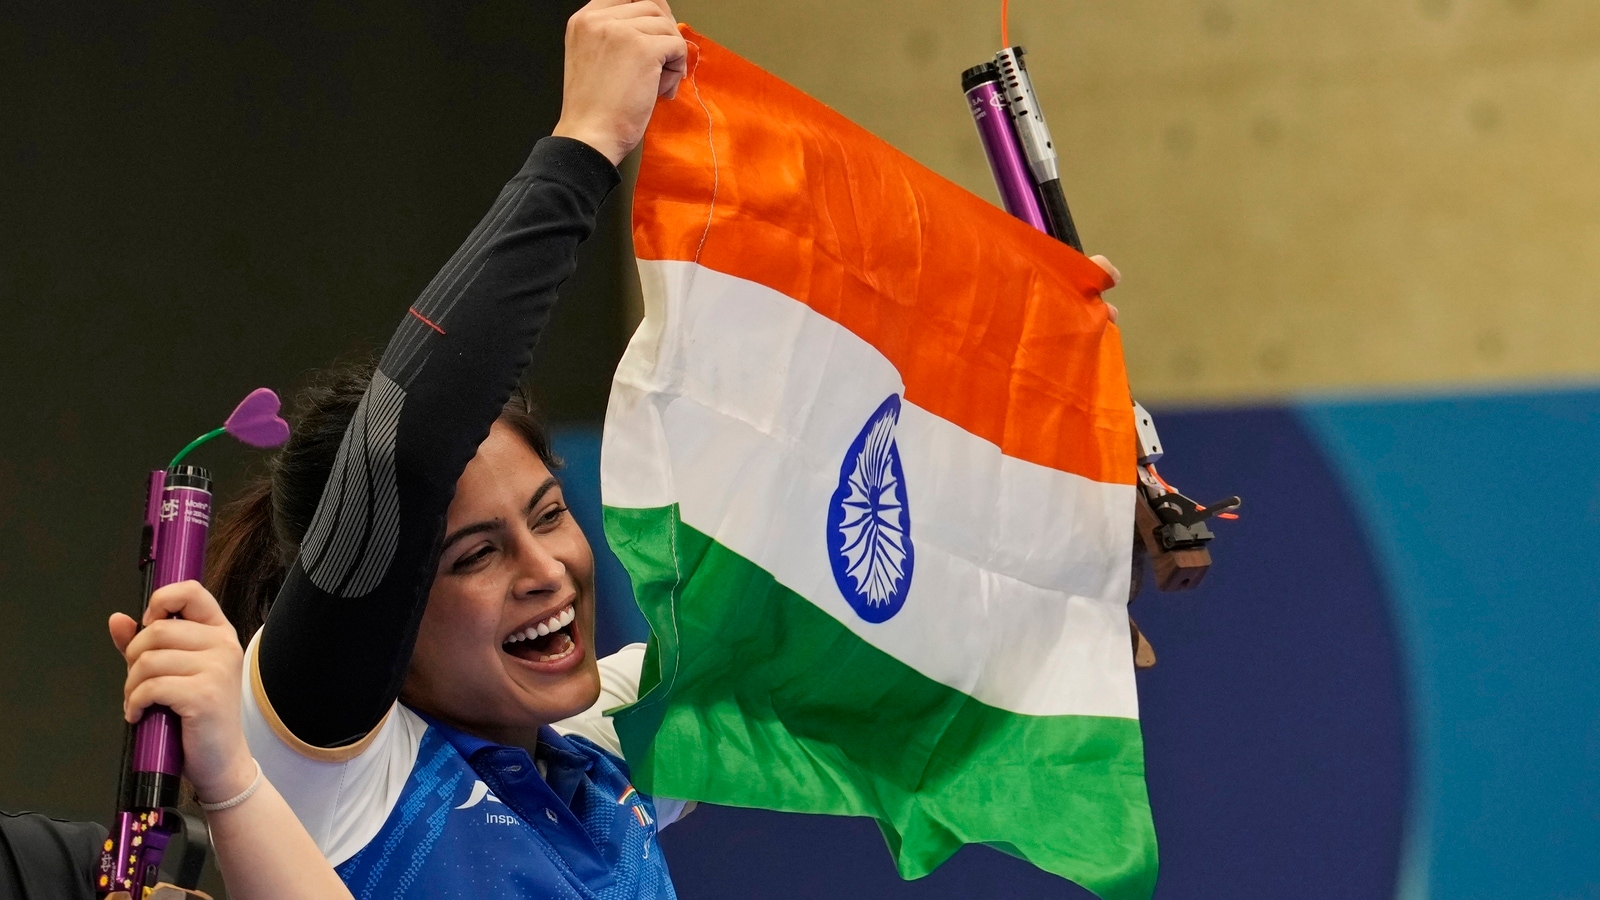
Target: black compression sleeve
{"points": [[339, 636]]}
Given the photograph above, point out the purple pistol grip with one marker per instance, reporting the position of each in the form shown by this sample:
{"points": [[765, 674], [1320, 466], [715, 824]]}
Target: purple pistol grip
{"points": [[1004, 152], [158, 742], [178, 512], [184, 520]]}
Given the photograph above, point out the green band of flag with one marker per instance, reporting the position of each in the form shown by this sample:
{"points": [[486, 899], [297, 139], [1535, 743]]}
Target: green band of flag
{"points": [[752, 696]]}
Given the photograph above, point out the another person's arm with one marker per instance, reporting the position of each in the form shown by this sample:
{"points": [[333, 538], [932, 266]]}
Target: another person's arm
{"points": [[194, 666]]}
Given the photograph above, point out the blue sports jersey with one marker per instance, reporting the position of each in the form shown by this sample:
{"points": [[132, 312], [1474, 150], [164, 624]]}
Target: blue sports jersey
{"points": [[477, 819], [421, 809]]}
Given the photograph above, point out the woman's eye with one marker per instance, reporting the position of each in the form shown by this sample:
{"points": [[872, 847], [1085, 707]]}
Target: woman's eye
{"points": [[471, 559], [550, 517]]}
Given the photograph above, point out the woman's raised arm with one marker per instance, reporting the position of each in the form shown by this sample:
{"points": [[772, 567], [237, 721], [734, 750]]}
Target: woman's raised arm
{"points": [[337, 641]]}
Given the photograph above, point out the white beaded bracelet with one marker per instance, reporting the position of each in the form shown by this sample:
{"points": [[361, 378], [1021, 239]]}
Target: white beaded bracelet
{"points": [[235, 801]]}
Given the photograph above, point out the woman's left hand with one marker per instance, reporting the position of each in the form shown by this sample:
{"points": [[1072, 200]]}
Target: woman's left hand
{"points": [[194, 667]]}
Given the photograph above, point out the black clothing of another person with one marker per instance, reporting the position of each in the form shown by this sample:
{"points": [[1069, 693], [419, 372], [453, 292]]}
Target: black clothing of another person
{"points": [[48, 859]]}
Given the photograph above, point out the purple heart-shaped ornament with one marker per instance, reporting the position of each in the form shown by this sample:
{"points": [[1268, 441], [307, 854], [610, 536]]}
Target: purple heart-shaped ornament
{"points": [[256, 422]]}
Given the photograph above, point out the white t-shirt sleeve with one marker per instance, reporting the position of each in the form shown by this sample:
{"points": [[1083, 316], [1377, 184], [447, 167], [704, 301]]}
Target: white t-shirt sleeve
{"points": [[619, 686], [342, 796]]}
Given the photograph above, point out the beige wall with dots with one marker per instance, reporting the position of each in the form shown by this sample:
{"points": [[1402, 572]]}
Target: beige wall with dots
{"points": [[1331, 194]]}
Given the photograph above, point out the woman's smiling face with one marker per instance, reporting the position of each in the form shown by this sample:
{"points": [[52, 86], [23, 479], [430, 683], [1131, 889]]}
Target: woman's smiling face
{"points": [[507, 640]]}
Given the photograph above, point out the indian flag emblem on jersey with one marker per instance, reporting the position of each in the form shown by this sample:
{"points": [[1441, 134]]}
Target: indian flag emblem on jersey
{"points": [[869, 461], [630, 799]]}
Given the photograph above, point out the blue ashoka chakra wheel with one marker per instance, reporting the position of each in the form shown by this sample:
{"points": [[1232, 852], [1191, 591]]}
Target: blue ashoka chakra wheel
{"points": [[869, 524]]}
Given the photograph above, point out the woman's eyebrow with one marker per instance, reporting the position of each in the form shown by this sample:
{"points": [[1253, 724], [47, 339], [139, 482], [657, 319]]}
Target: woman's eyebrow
{"points": [[498, 523], [539, 493], [469, 530]]}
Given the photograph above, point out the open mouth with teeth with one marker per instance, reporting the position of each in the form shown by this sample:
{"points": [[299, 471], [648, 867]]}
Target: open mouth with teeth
{"points": [[547, 641]]}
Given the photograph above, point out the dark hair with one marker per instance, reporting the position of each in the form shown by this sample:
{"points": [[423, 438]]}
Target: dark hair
{"points": [[258, 534]]}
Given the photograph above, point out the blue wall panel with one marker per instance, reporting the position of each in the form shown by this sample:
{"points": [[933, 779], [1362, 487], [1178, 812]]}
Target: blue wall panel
{"points": [[1486, 513], [1275, 720]]}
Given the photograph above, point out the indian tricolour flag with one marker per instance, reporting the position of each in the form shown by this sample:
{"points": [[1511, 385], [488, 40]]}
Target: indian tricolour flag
{"points": [[869, 460]]}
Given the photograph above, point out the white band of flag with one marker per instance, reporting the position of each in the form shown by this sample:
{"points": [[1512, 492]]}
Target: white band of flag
{"points": [[1019, 597]]}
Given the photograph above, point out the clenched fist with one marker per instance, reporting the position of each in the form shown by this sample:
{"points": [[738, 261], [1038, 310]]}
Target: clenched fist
{"points": [[621, 56]]}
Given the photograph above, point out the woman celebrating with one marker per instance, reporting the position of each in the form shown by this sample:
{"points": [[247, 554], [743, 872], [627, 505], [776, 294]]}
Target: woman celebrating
{"points": [[413, 545]]}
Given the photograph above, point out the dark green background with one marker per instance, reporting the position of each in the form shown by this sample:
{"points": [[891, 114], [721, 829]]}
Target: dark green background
{"points": [[197, 199]]}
